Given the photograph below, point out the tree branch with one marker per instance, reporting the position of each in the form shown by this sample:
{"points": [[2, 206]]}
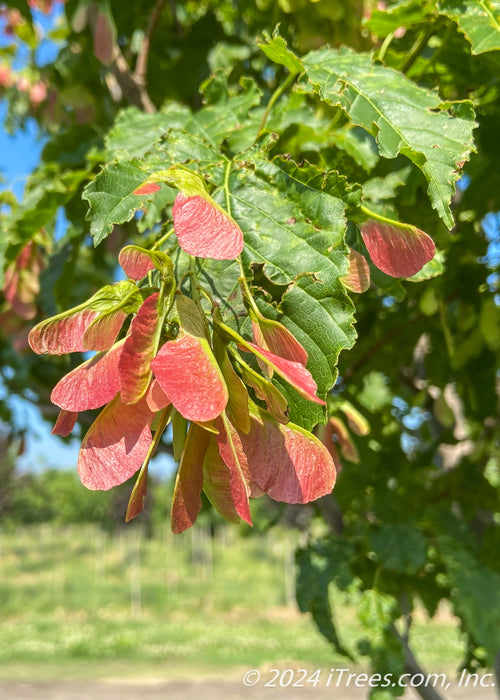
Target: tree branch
{"points": [[412, 666], [134, 93], [141, 66], [131, 86]]}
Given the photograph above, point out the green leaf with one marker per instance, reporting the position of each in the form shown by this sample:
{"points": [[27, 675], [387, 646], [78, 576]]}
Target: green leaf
{"points": [[489, 322], [111, 199], [47, 191], [478, 20], [377, 610], [136, 132], [475, 595], [402, 116], [319, 565], [276, 49], [399, 547], [401, 14], [433, 268], [358, 144], [293, 224]]}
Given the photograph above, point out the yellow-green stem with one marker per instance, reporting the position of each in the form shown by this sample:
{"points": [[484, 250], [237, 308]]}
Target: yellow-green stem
{"points": [[241, 341], [385, 45], [384, 219], [274, 97], [162, 239], [246, 289]]}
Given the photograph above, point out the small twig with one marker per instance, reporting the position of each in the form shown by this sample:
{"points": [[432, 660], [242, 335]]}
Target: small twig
{"points": [[141, 65]]}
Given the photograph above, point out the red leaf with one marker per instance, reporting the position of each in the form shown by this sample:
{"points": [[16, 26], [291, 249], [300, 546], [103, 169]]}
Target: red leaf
{"points": [[358, 277], [204, 230], [397, 250], [156, 398], [135, 359], [286, 461], [237, 405], [273, 336], [293, 372], [91, 384], [216, 484], [147, 188], [63, 334], [231, 451], [186, 502], [189, 375], [344, 440], [115, 445], [102, 332], [103, 39], [135, 262], [21, 285], [136, 500], [325, 434], [277, 405], [65, 423]]}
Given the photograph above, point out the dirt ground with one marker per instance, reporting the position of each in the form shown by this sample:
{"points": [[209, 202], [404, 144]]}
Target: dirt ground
{"points": [[199, 690]]}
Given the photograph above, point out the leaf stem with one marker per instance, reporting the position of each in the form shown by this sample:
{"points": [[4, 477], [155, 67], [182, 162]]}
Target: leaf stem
{"points": [[196, 288], [162, 239], [274, 97], [195, 284], [245, 289], [227, 172], [384, 219], [385, 45], [417, 48]]}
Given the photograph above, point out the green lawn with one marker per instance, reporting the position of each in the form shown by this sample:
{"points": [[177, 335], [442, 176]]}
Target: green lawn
{"points": [[132, 606]]}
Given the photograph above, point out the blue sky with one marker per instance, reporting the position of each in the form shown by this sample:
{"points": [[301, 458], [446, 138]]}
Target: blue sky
{"points": [[19, 155]]}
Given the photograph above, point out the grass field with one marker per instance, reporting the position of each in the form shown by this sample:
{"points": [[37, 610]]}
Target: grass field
{"points": [[131, 606]]}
